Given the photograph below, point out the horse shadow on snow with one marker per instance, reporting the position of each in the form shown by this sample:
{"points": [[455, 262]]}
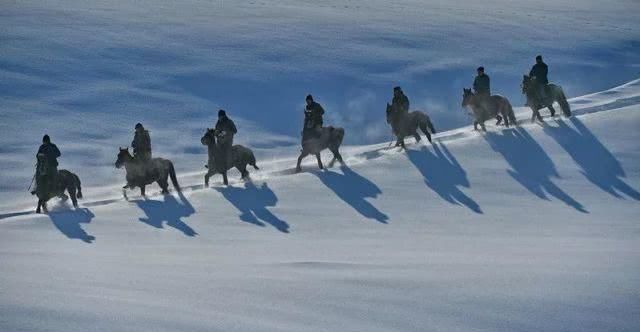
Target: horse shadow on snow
{"points": [[169, 210], [443, 174], [598, 164], [353, 188], [252, 202], [69, 223], [530, 165]]}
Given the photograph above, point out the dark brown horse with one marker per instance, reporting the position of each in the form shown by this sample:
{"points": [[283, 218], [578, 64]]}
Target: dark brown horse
{"points": [[537, 100], [141, 174], [484, 108], [240, 157], [64, 180], [406, 124]]}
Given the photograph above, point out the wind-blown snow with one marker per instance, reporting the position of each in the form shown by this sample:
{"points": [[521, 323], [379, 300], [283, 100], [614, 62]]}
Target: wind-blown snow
{"points": [[526, 229]]}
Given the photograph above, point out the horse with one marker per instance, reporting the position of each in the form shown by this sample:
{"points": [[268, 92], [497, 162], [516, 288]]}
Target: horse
{"points": [[241, 156], [496, 106], [64, 180], [554, 93], [407, 123], [328, 138], [141, 174]]}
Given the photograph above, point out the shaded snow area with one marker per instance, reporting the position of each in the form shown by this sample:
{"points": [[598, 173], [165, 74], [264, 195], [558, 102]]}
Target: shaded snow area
{"points": [[526, 229], [532, 228]]}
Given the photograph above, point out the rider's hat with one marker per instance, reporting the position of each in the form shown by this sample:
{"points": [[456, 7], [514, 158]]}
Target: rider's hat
{"points": [[139, 125], [309, 97], [46, 139], [481, 68], [222, 113], [539, 58]]}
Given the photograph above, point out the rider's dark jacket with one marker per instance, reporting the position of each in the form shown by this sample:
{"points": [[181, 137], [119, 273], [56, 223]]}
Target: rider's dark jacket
{"points": [[313, 115], [482, 85], [400, 103], [50, 152], [540, 71], [225, 124]]}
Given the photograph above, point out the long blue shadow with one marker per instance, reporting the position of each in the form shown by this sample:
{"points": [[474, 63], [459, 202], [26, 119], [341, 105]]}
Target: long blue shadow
{"points": [[598, 164], [169, 210], [252, 202], [353, 188], [69, 222], [530, 164], [443, 174]]}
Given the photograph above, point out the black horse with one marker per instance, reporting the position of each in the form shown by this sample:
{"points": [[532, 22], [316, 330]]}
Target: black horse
{"points": [[406, 124], [140, 174], [240, 157], [64, 180], [536, 101]]}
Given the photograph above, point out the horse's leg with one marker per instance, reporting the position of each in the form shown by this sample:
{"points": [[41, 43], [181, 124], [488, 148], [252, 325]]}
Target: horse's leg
{"points": [[225, 180], [319, 160], [552, 110], [72, 192], [475, 125], [44, 206], [164, 185], [302, 155], [38, 207], [499, 119], [142, 190], [483, 127], [417, 136]]}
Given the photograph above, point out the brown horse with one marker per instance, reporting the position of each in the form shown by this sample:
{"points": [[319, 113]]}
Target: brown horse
{"points": [[537, 100], [141, 174], [483, 109], [406, 124]]}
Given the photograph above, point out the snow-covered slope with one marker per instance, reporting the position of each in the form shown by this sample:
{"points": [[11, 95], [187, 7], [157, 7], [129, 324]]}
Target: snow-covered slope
{"points": [[526, 229]]}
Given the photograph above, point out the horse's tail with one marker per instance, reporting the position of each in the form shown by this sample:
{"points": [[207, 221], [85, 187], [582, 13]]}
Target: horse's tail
{"points": [[564, 104], [78, 185], [252, 160], [174, 179], [510, 113], [339, 135], [432, 129]]}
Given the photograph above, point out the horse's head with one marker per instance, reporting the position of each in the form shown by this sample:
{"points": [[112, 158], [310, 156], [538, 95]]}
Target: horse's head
{"points": [[123, 157], [526, 83], [467, 95], [209, 137]]}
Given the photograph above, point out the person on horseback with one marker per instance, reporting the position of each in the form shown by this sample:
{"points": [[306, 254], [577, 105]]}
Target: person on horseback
{"points": [[399, 105], [141, 144], [47, 165], [482, 84], [313, 122], [225, 128], [539, 71]]}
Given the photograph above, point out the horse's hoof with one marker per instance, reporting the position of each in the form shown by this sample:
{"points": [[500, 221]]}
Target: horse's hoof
{"points": [[298, 170]]}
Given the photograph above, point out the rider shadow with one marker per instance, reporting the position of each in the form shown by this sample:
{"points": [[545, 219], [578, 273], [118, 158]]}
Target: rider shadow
{"points": [[353, 188], [252, 202], [170, 211], [530, 165], [598, 163], [443, 174], [69, 222]]}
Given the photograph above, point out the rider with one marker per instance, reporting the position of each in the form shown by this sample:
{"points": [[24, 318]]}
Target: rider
{"points": [[482, 84], [399, 104], [47, 167], [540, 72], [141, 144], [225, 127], [313, 113]]}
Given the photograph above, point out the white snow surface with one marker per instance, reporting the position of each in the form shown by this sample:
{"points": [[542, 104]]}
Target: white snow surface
{"points": [[526, 229]]}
